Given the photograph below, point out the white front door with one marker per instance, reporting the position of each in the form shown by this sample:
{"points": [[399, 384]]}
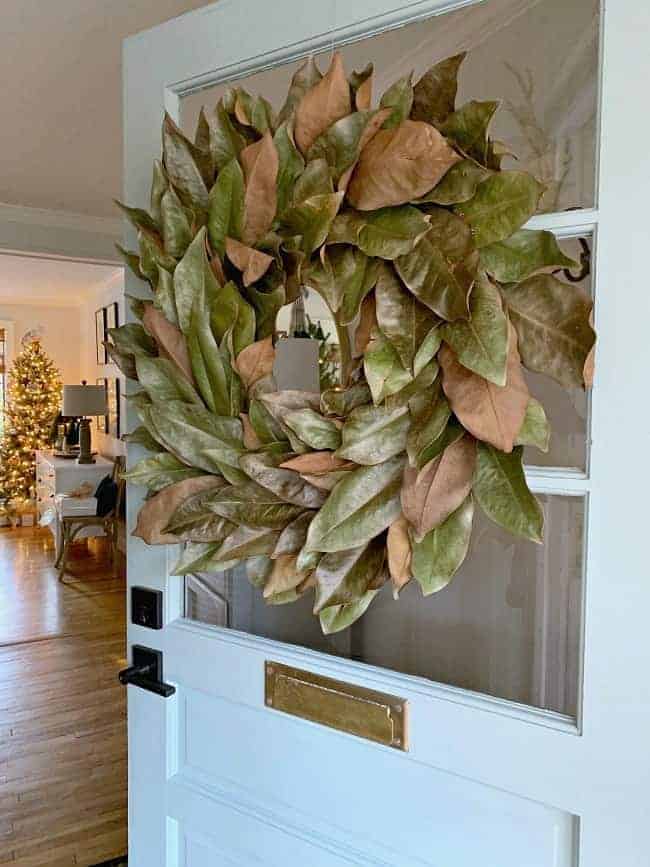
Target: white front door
{"points": [[525, 682]]}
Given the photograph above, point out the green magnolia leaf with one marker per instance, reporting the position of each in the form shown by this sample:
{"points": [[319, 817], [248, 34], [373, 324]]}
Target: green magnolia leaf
{"points": [[164, 298], [193, 277], [343, 277], [391, 232], [312, 219], [343, 577], [501, 205], [281, 403], [176, 229], [361, 506], [194, 521], [303, 80], [183, 164], [468, 128], [481, 344], [132, 260], [501, 491], [132, 339], [316, 180], [437, 558], [138, 217], [254, 506], [338, 401], [458, 185], [522, 254], [339, 617], [290, 166], [208, 364], [226, 142], [420, 385], [230, 312], [340, 144], [535, 430], [294, 536], [401, 317], [361, 86], [265, 426], [285, 484], [450, 435], [159, 185], [399, 98], [346, 227], [373, 434], [160, 471], [551, 319], [441, 269], [266, 305], [384, 371], [163, 380], [245, 542], [316, 431], [196, 557], [137, 306], [427, 349], [226, 207], [153, 256], [141, 437], [427, 425], [189, 432], [434, 96]]}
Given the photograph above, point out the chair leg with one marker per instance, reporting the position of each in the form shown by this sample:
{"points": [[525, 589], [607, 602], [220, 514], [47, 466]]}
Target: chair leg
{"points": [[62, 560]]}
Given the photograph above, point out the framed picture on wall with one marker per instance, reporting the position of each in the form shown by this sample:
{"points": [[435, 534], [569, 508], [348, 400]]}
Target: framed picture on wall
{"points": [[113, 403], [111, 317], [102, 420], [100, 335]]}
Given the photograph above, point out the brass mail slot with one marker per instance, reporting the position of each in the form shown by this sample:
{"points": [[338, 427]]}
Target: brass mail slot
{"points": [[375, 716]]}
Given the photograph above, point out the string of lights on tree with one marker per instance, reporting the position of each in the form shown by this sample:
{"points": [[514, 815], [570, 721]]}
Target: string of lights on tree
{"points": [[33, 401]]}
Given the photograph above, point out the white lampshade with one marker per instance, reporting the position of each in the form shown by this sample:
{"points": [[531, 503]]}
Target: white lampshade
{"points": [[84, 400]]}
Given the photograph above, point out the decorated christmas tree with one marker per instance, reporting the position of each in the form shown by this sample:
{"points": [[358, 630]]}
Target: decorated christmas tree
{"points": [[33, 401]]}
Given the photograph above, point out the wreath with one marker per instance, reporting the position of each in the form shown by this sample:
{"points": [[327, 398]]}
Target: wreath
{"points": [[402, 219]]}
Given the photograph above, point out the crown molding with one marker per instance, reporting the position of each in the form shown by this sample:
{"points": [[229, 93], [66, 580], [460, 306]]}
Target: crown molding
{"points": [[59, 234]]}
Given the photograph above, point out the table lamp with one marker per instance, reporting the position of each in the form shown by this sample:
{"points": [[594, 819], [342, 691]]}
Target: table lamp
{"points": [[80, 401]]}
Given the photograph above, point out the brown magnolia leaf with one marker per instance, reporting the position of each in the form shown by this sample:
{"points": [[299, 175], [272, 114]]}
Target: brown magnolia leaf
{"points": [[493, 413], [367, 321], [398, 545], [431, 494], [156, 512], [363, 97], [250, 438], [260, 162], [284, 575], [170, 340], [399, 165], [325, 481], [251, 262], [256, 361], [370, 131], [317, 463], [322, 105]]}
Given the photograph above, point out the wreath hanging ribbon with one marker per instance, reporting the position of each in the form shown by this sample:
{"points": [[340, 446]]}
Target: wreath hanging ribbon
{"points": [[402, 219]]}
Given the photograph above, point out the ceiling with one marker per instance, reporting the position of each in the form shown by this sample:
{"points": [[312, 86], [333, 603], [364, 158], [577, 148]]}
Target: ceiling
{"points": [[61, 137], [51, 282]]}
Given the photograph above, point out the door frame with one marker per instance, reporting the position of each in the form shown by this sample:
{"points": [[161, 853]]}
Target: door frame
{"points": [[594, 762]]}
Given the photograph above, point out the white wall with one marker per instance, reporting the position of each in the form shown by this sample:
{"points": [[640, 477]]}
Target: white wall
{"points": [[61, 330], [112, 290]]}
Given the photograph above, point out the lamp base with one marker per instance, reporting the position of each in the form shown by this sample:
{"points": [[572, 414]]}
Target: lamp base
{"points": [[85, 455]]}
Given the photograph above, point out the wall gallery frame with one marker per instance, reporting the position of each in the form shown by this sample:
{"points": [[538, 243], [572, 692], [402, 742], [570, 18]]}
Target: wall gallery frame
{"points": [[113, 403], [102, 420], [105, 318]]}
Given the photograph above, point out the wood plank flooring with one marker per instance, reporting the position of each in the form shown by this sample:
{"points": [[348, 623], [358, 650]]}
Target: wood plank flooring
{"points": [[62, 711]]}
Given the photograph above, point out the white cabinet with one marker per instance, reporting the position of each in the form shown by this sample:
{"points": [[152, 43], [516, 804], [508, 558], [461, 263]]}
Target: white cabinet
{"points": [[62, 475]]}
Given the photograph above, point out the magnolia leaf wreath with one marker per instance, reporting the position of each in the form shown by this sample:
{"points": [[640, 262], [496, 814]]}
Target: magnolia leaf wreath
{"points": [[402, 219]]}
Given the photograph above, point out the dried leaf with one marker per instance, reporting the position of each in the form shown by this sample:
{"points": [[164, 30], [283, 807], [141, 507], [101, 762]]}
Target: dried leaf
{"points": [[316, 463], [398, 544], [367, 321], [552, 322], [294, 536], [535, 429], [303, 80], [253, 263], [492, 413], [322, 105], [361, 85], [284, 576], [340, 145], [285, 484], [154, 515], [170, 340], [399, 165], [256, 361], [260, 162], [431, 494], [399, 99]]}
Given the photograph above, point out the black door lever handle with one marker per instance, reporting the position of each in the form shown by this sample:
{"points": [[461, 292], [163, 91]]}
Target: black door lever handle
{"points": [[147, 672]]}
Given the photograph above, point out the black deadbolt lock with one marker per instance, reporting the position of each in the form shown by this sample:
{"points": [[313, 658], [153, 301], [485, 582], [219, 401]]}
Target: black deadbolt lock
{"points": [[147, 607]]}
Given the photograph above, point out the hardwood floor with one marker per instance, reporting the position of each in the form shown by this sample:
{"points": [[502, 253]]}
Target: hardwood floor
{"points": [[62, 711]]}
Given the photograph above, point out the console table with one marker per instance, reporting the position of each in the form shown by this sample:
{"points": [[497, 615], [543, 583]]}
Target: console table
{"points": [[60, 476]]}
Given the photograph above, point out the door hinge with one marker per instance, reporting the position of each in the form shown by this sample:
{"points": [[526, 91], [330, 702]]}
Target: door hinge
{"points": [[147, 671]]}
